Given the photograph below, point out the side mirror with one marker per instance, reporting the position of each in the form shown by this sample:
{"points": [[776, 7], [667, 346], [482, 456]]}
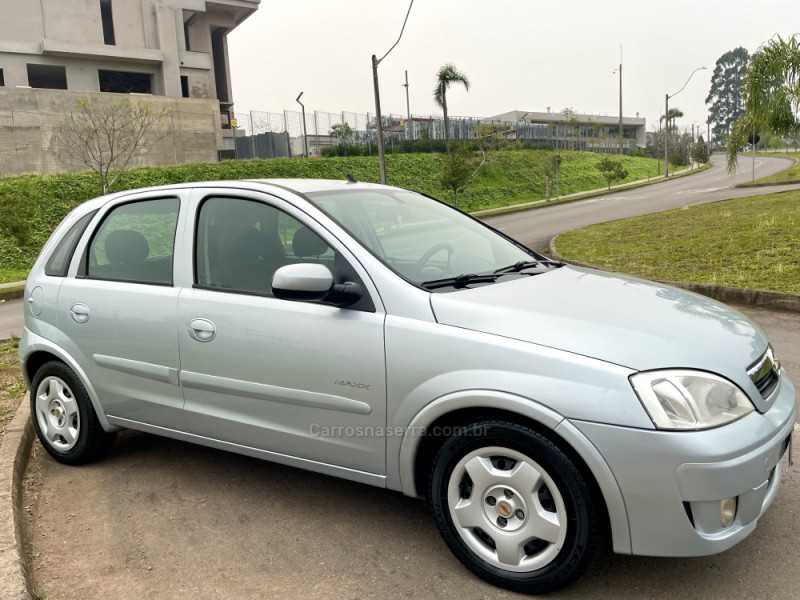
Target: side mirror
{"points": [[313, 283], [303, 281]]}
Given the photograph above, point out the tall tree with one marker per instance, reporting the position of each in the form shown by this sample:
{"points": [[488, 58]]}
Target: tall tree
{"points": [[771, 89], [342, 132], [447, 76], [725, 100]]}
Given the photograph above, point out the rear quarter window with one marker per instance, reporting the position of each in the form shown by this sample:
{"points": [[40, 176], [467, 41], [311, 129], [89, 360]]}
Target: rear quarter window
{"points": [[58, 263]]}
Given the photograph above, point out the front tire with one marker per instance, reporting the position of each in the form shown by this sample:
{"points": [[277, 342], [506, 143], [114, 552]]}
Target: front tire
{"points": [[64, 418], [513, 507]]}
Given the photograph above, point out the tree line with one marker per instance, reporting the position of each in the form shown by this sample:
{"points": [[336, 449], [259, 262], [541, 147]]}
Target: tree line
{"points": [[755, 99]]}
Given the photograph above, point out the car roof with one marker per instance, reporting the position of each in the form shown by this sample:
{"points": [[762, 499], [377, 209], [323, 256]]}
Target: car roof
{"points": [[306, 186], [299, 186]]}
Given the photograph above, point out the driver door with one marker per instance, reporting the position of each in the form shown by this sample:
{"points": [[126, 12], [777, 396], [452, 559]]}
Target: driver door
{"points": [[297, 379]]}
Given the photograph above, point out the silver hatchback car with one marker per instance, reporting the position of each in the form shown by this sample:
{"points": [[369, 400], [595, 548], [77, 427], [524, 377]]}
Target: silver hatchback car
{"points": [[375, 334]]}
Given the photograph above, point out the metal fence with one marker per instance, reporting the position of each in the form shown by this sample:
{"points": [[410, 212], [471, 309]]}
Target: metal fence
{"points": [[271, 135]]}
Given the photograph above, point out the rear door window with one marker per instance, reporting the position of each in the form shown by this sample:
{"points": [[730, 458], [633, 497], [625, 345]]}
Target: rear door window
{"points": [[136, 243]]}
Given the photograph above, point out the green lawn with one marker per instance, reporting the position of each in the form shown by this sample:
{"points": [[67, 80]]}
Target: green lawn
{"points": [[747, 243], [508, 177], [7, 275]]}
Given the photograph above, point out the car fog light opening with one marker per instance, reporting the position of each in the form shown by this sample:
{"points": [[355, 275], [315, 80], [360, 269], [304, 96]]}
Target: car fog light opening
{"points": [[727, 510]]}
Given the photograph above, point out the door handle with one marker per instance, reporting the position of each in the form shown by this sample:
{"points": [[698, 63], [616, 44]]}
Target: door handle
{"points": [[80, 312], [202, 330]]}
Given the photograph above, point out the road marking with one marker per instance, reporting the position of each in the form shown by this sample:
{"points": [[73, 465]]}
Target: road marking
{"points": [[705, 191]]}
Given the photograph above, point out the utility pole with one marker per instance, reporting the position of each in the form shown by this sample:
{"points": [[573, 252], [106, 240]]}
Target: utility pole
{"points": [[379, 122], [378, 119], [619, 131], [408, 108]]}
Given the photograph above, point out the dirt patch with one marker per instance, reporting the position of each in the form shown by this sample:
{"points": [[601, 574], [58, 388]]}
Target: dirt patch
{"points": [[12, 386]]}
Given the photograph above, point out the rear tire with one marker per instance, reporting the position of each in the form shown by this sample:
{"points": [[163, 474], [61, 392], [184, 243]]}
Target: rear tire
{"points": [[64, 418], [513, 508]]}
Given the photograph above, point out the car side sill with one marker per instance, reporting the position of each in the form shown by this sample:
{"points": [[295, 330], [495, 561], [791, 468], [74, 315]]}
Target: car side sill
{"points": [[284, 459]]}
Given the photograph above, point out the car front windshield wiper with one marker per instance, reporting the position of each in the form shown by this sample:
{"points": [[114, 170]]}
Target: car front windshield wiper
{"points": [[517, 266], [459, 281], [521, 265]]}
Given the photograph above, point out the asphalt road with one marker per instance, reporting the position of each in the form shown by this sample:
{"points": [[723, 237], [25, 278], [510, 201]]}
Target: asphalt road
{"points": [[535, 228], [11, 320], [165, 519]]}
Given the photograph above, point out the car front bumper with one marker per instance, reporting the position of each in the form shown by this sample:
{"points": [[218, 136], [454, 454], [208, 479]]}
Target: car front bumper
{"points": [[674, 482]]}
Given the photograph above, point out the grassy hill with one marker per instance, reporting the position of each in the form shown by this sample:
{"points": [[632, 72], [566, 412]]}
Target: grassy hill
{"points": [[507, 177]]}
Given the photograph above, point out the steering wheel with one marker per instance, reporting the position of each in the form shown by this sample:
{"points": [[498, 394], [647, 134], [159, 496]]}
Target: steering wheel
{"points": [[423, 260]]}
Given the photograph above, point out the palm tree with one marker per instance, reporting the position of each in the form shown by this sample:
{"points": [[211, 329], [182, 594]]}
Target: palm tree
{"points": [[672, 116], [447, 76], [771, 94]]}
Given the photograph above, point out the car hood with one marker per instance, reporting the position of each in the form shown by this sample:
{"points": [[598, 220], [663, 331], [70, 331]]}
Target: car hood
{"points": [[611, 317]]}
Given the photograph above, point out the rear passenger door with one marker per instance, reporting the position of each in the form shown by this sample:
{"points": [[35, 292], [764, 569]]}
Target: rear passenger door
{"points": [[118, 308]]}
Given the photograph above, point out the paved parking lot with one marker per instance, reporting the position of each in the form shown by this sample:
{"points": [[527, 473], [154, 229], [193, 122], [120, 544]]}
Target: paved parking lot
{"points": [[163, 519]]}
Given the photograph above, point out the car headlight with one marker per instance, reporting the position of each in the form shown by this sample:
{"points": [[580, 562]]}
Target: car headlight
{"points": [[684, 399]]}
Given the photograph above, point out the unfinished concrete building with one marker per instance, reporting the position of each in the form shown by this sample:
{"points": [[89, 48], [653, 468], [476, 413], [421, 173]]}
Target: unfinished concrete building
{"points": [[53, 52]]}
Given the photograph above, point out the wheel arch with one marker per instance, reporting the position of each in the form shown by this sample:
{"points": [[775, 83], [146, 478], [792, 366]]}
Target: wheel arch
{"points": [[42, 352], [418, 451]]}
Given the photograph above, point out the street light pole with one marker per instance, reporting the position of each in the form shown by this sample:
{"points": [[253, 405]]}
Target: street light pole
{"points": [[379, 125], [305, 135], [666, 121]]}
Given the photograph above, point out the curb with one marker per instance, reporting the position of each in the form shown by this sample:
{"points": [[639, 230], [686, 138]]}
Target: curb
{"points": [[15, 452], [585, 195], [724, 293], [743, 186], [12, 290], [12, 295]]}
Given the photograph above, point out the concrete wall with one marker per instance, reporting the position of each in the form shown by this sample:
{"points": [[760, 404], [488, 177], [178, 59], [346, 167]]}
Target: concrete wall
{"points": [[82, 75], [29, 116], [20, 25], [74, 21]]}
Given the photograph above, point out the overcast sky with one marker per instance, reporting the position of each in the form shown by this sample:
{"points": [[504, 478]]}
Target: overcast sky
{"points": [[519, 54]]}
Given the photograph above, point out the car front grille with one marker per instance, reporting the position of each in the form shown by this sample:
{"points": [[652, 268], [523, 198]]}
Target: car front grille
{"points": [[765, 373]]}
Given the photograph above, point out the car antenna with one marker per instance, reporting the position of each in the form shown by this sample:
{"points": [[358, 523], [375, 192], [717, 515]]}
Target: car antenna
{"points": [[351, 179]]}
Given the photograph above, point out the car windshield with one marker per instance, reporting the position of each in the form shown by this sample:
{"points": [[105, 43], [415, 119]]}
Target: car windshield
{"points": [[421, 239]]}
